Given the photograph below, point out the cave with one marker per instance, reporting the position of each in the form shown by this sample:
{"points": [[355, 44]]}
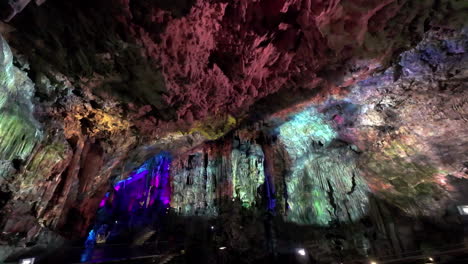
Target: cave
{"points": [[234, 131]]}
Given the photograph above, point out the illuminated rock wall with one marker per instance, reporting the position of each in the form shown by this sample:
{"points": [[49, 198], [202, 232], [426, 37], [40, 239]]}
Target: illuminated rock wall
{"points": [[412, 126], [147, 187], [248, 172], [194, 182], [326, 188], [19, 131], [201, 179], [54, 161], [322, 182]]}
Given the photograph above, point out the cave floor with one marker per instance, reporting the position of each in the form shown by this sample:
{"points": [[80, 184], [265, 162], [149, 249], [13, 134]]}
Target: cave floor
{"points": [[149, 254]]}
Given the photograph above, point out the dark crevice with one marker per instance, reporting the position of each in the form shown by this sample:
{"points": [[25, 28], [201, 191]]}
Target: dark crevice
{"points": [[5, 196], [73, 141], [205, 165], [285, 190], [6, 10], [349, 215], [58, 190], [190, 161], [77, 92], [17, 163], [34, 208], [95, 104], [331, 197], [73, 218], [178, 8], [397, 72], [86, 125], [353, 187], [225, 61]]}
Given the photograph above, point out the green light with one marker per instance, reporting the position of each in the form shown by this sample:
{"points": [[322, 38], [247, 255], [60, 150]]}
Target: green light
{"points": [[19, 131], [323, 184], [247, 172], [303, 129]]}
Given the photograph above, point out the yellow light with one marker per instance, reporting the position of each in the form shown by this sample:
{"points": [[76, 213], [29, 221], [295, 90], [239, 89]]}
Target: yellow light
{"points": [[430, 259], [373, 262]]}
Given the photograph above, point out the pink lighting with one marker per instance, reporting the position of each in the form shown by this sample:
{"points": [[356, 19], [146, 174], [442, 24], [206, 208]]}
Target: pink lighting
{"points": [[338, 119], [103, 201]]}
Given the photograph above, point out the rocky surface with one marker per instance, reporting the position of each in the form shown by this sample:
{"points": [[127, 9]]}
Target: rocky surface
{"points": [[365, 166], [316, 113], [416, 122]]}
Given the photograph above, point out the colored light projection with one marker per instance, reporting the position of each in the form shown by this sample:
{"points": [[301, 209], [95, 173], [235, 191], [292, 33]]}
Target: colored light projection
{"points": [[147, 186], [19, 132], [196, 182], [323, 184], [304, 129], [202, 178], [7, 77], [270, 191], [247, 172], [104, 200]]}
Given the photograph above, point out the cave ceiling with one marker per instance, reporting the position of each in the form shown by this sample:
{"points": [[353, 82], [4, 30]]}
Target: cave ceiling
{"points": [[192, 67]]}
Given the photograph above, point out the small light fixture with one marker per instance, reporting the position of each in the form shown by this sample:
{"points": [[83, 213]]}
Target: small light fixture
{"points": [[27, 261], [222, 248], [373, 262], [430, 259], [212, 227], [463, 209], [301, 251]]}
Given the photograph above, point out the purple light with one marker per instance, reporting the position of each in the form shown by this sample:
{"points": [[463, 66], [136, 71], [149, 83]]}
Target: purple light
{"points": [[338, 119], [148, 185], [270, 190], [133, 178], [103, 201]]}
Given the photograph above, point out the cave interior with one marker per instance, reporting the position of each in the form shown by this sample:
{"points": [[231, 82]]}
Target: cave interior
{"points": [[234, 131]]}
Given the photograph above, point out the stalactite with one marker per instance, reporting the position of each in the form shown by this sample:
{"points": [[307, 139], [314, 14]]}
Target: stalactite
{"points": [[247, 171], [192, 192], [20, 135], [7, 77], [19, 132], [207, 175]]}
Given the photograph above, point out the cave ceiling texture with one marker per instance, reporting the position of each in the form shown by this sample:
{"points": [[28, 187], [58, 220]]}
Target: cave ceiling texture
{"points": [[241, 131]]}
